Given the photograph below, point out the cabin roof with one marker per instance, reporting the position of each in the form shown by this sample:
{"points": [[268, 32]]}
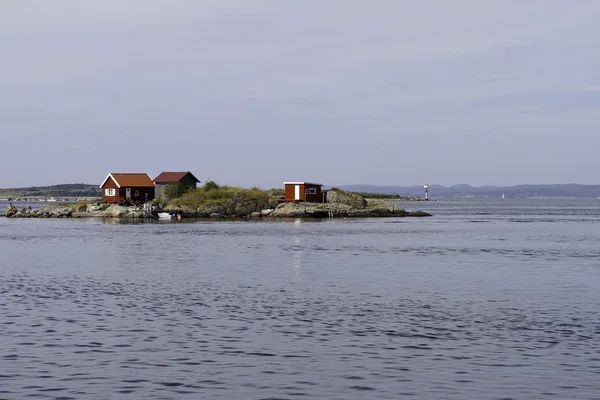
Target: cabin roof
{"points": [[172, 177], [135, 179], [302, 183]]}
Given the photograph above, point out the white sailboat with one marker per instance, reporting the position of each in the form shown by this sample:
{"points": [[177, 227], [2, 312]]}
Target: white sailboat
{"points": [[502, 195], [51, 198]]}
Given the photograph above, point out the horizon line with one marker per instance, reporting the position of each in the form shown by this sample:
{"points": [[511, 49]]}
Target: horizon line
{"points": [[358, 184]]}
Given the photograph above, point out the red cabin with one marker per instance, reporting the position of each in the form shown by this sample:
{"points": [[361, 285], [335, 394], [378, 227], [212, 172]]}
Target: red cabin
{"points": [[303, 191], [127, 188]]}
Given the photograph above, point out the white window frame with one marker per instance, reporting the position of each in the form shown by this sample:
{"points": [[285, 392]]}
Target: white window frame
{"points": [[109, 192], [312, 190]]}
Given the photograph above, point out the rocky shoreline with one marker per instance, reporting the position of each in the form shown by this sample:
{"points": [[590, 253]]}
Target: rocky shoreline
{"points": [[337, 207]]}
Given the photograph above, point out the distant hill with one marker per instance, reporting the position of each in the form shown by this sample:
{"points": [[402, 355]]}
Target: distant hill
{"points": [[65, 190], [518, 191]]}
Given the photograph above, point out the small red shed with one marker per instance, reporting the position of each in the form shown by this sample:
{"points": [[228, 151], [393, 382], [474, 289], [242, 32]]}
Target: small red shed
{"points": [[127, 188], [301, 191]]}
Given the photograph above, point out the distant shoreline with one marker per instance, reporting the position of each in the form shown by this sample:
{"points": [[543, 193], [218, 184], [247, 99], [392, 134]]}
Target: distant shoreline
{"points": [[391, 192]]}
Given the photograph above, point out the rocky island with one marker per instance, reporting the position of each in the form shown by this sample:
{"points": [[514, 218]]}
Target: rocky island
{"points": [[214, 201]]}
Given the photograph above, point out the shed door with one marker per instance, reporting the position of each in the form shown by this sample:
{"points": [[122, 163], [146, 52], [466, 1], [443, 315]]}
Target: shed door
{"points": [[128, 193], [297, 192]]}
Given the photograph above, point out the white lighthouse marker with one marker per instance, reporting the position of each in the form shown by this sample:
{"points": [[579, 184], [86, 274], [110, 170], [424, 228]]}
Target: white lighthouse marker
{"points": [[426, 192]]}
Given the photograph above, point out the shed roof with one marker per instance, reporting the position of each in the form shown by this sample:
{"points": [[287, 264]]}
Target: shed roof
{"points": [[302, 183], [137, 179], [171, 177]]}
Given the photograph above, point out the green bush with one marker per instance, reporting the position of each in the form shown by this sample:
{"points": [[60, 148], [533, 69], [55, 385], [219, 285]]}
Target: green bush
{"points": [[210, 185], [174, 190]]}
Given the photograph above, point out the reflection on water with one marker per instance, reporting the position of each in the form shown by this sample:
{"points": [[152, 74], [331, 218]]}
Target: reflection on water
{"points": [[476, 302]]}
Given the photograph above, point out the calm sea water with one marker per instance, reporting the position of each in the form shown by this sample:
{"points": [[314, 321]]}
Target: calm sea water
{"points": [[486, 300]]}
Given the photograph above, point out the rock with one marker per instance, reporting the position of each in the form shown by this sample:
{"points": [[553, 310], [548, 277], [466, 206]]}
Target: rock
{"points": [[209, 208], [341, 197], [273, 203], [117, 211], [266, 212], [243, 208], [215, 215], [290, 209], [256, 214], [382, 208], [96, 214], [418, 213], [63, 213], [374, 208], [11, 211], [234, 207]]}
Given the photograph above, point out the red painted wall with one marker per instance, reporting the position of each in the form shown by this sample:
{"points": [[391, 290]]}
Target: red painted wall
{"points": [[138, 194], [290, 193]]}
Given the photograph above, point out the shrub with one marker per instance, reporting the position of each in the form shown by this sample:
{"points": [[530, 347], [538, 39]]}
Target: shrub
{"points": [[173, 191], [210, 185]]}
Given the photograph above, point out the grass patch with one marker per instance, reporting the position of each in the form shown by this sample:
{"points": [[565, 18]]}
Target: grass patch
{"points": [[215, 194], [275, 192]]}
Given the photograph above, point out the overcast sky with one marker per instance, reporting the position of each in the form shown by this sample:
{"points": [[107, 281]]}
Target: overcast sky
{"points": [[255, 93]]}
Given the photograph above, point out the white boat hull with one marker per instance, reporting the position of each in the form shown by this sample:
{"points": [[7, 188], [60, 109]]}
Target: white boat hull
{"points": [[164, 215]]}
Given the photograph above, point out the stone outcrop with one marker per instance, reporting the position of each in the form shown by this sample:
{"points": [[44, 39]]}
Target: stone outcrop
{"points": [[371, 208], [79, 210], [350, 199], [233, 207], [11, 211]]}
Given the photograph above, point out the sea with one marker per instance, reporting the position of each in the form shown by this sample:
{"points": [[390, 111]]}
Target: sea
{"points": [[487, 299]]}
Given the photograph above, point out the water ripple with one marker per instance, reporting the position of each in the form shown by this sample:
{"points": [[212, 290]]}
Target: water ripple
{"points": [[441, 308]]}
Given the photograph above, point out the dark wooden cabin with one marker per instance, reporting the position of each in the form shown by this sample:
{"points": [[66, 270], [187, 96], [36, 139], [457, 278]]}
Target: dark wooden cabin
{"points": [[184, 179]]}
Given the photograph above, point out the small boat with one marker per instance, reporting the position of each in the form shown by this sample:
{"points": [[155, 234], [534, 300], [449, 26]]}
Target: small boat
{"points": [[165, 215]]}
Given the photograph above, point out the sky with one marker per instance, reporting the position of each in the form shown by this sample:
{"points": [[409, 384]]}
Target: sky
{"points": [[255, 93]]}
